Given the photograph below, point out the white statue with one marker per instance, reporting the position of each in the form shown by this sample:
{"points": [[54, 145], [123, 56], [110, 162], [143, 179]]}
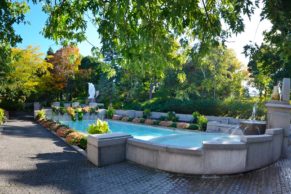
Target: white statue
{"points": [[91, 91]]}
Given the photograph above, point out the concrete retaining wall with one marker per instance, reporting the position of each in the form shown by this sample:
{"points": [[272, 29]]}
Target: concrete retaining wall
{"points": [[182, 117], [214, 157], [66, 117]]}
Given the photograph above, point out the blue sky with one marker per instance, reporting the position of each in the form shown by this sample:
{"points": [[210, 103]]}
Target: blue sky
{"points": [[31, 34]]}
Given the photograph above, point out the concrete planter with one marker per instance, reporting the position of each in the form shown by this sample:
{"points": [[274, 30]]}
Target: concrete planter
{"points": [[107, 149]]}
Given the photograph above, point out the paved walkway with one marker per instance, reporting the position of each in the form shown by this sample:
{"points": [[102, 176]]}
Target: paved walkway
{"points": [[32, 160]]}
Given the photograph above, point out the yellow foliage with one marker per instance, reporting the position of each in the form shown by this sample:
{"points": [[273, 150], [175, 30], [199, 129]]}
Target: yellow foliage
{"points": [[28, 68]]}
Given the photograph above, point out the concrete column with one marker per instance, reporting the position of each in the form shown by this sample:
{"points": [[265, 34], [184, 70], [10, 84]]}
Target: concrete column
{"points": [[278, 116]]}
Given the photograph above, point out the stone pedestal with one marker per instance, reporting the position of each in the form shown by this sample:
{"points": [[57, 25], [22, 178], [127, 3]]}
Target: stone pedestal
{"points": [[36, 106], [107, 149], [93, 104], [75, 104], [278, 116], [57, 104]]}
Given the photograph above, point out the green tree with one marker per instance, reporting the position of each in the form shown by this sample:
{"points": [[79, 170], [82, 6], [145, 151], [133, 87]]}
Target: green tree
{"points": [[28, 70], [270, 62], [11, 13], [148, 37]]}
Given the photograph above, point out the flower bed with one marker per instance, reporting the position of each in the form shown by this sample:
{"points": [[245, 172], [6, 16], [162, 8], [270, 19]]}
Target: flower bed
{"points": [[71, 136]]}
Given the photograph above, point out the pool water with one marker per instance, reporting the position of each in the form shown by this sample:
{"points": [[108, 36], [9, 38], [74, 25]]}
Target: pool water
{"points": [[158, 135]]}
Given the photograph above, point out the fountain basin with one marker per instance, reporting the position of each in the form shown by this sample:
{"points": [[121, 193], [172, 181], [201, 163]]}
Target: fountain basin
{"points": [[253, 127]]}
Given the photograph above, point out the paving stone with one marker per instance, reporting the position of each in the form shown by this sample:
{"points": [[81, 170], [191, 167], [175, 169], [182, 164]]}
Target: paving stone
{"points": [[32, 160]]}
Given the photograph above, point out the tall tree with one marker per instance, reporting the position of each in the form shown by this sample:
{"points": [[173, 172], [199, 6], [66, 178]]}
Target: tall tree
{"points": [[270, 62], [28, 70], [66, 63], [11, 13], [146, 35]]}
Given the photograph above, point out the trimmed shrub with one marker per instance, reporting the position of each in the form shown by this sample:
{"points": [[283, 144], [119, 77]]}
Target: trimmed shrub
{"points": [[62, 110], [155, 122], [116, 117], [194, 127], [166, 123], [110, 112], [142, 120], [55, 110], [83, 143], [174, 125], [63, 132], [136, 120], [171, 116], [94, 110], [125, 118], [54, 126], [147, 114], [183, 125], [163, 118], [149, 121], [47, 123], [74, 138], [130, 119]]}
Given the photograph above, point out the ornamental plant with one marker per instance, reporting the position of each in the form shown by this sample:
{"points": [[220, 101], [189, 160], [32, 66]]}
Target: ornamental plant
{"points": [[171, 116], [166, 123], [83, 143], [194, 127], [110, 112], [56, 110], [54, 126], [86, 109], [63, 132], [136, 120], [99, 127], [76, 138], [71, 111], [80, 114], [149, 121], [2, 116], [200, 120], [62, 110], [94, 110], [125, 118], [40, 114], [183, 125], [147, 114]]}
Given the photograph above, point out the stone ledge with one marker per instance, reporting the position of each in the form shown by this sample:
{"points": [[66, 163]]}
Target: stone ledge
{"points": [[274, 131], [164, 148], [224, 145], [101, 140], [256, 138]]}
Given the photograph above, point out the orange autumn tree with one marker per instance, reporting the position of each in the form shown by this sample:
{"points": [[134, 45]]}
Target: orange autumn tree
{"points": [[66, 63]]}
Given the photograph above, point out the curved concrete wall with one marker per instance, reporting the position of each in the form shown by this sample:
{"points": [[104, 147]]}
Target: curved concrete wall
{"points": [[214, 157]]}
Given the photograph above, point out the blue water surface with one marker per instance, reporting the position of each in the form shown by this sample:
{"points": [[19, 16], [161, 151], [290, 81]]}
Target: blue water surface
{"points": [[159, 135]]}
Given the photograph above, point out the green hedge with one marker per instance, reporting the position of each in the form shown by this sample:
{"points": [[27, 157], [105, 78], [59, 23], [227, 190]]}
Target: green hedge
{"points": [[228, 107]]}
